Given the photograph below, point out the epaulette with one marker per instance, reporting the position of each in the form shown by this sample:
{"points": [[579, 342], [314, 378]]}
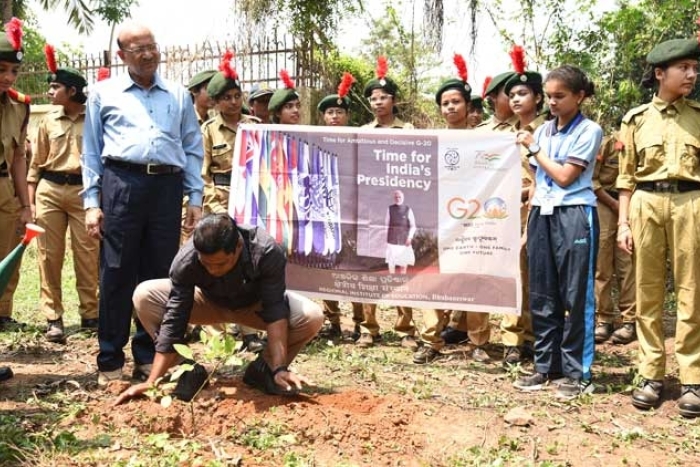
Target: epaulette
{"points": [[692, 103], [209, 122], [636, 111], [18, 96], [250, 119]]}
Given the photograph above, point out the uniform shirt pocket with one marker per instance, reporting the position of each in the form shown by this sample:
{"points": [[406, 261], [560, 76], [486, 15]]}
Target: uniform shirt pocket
{"points": [[691, 152], [221, 155], [650, 147], [58, 140]]}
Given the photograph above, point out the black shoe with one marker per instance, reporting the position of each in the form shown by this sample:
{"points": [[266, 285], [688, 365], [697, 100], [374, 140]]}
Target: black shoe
{"points": [[512, 355], [190, 382], [453, 336], [9, 324], [141, 371], [89, 324], [356, 333], [331, 331], [648, 394], [425, 354], [689, 403], [252, 343], [5, 373], [259, 376], [537, 381], [55, 332]]}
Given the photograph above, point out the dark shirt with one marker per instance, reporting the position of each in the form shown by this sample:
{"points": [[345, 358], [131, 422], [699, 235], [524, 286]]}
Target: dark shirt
{"points": [[399, 224], [258, 276]]}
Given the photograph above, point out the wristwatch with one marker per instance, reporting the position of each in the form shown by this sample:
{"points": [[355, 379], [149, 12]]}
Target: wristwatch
{"points": [[534, 148]]}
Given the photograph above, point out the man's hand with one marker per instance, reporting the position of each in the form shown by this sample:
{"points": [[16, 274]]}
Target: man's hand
{"points": [[290, 381], [624, 239], [25, 216], [93, 222], [194, 213], [133, 392]]}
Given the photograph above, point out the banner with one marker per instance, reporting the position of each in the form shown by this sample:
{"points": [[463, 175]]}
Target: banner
{"points": [[424, 218]]}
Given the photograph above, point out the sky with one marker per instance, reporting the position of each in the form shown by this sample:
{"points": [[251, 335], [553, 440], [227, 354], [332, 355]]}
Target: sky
{"points": [[180, 24]]}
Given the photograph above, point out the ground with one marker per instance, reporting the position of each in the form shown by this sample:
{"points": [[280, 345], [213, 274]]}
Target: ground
{"points": [[370, 407]]}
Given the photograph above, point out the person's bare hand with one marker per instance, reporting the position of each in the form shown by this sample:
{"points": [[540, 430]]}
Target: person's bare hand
{"points": [[133, 392], [291, 381], [93, 222]]}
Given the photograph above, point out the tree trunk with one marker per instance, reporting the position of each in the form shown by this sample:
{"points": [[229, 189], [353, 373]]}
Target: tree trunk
{"points": [[6, 8]]}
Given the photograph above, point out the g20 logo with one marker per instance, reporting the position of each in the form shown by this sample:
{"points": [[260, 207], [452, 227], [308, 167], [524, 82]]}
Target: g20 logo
{"points": [[460, 208]]}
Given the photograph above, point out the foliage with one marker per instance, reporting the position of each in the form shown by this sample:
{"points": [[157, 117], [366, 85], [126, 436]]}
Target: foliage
{"points": [[82, 13]]}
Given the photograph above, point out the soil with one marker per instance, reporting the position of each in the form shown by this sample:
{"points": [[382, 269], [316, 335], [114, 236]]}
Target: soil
{"points": [[369, 407]]}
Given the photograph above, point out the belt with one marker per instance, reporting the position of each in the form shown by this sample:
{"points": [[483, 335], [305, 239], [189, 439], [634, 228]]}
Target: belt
{"points": [[613, 194], [222, 179], [62, 178], [669, 186], [147, 169], [3, 170]]}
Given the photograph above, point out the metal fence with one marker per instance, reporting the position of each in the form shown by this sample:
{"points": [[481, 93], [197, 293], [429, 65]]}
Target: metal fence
{"points": [[257, 62]]}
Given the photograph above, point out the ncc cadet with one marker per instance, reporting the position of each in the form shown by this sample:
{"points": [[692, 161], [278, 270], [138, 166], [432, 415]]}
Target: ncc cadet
{"points": [[335, 109], [219, 135], [475, 115], [14, 196], [381, 93], [659, 185], [612, 260], [203, 104], [259, 100], [453, 97], [502, 120], [284, 105], [55, 182], [526, 99]]}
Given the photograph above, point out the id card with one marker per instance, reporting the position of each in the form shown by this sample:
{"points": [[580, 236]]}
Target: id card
{"points": [[547, 204]]}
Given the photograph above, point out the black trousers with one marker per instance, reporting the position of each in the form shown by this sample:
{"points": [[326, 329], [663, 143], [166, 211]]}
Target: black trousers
{"points": [[562, 251], [141, 235]]}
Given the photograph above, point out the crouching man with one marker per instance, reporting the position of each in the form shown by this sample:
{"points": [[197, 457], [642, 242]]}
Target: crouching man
{"points": [[228, 274]]}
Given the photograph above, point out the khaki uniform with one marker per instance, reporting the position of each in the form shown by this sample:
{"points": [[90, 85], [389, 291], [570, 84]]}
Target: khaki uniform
{"points": [[611, 259], [404, 324], [56, 172], [14, 116], [662, 144]]}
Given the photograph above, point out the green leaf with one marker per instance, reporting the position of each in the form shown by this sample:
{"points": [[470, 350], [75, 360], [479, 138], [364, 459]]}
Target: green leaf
{"points": [[184, 351]]}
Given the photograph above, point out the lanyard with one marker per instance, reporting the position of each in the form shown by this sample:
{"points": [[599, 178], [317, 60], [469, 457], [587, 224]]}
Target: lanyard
{"points": [[566, 131]]}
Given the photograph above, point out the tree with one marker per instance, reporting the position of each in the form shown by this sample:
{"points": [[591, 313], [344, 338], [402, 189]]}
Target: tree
{"points": [[82, 13]]}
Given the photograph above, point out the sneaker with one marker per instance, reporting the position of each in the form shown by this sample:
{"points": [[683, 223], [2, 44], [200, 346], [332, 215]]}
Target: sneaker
{"points": [[331, 331], [55, 332], [536, 381], [253, 343], [259, 376], [602, 332], [480, 355], [106, 377], [453, 336], [5, 373], [89, 324], [571, 388], [142, 371], [367, 340], [625, 334], [689, 403], [191, 382], [425, 354], [409, 342], [648, 394], [355, 333]]}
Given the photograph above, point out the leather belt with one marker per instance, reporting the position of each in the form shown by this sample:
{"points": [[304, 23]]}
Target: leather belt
{"points": [[669, 186], [147, 169], [221, 179], [613, 194], [3, 170], [62, 178]]}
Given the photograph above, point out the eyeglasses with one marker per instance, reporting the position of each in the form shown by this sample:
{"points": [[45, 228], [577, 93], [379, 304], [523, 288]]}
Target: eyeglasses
{"points": [[143, 49]]}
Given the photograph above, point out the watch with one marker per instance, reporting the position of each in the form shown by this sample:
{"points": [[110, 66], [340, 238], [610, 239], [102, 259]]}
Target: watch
{"points": [[534, 148]]}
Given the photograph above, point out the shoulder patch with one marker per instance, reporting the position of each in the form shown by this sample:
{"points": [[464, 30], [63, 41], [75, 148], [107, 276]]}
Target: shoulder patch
{"points": [[18, 96], [629, 116], [209, 122]]}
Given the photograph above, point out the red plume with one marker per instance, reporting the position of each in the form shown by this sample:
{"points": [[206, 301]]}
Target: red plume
{"points": [[50, 53], [13, 29], [517, 55], [461, 67], [382, 67], [345, 84], [103, 73], [226, 67], [288, 83], [487, 82]]}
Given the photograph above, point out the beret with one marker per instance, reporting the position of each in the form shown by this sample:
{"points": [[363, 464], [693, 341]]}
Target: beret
{"points": [[674, 49]]}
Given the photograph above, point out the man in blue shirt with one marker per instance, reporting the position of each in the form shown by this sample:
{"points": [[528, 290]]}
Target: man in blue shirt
{"points": [[142, 150]]}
